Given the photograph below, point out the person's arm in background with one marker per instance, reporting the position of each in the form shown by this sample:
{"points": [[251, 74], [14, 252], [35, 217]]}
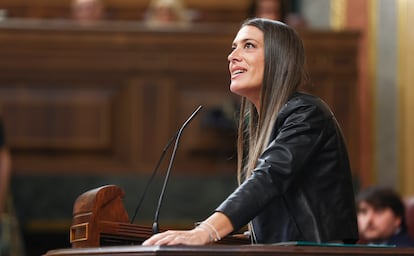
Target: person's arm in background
{"points": [[5, 169], [5, 164]]}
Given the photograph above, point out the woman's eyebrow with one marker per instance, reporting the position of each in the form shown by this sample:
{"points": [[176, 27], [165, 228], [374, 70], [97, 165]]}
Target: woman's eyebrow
{"points": [[244, 40]]}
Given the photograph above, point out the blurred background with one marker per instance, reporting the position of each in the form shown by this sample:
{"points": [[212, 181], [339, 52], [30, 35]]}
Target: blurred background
{"points": [[91, 92]]}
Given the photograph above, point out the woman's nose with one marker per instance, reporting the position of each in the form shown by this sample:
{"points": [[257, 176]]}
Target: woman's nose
{"points": [[233, 55]]}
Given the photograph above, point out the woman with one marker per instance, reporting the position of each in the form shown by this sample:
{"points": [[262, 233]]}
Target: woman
{"points": [[293, 165]]}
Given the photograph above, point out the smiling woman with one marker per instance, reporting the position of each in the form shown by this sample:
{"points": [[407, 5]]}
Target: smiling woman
{"points": [[246, 64], [293, 167]]}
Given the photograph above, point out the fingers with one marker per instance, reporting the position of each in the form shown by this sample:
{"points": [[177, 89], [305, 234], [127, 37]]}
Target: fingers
{"points": [[165, 238], [154, 240], [191, 237]]}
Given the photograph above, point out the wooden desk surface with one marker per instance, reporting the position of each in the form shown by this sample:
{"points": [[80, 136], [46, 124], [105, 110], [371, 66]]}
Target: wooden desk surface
{"points": [[245, 250]]}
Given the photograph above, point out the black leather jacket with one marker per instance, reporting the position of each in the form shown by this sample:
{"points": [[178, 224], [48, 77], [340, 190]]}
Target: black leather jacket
{"points": [[301, 189]]}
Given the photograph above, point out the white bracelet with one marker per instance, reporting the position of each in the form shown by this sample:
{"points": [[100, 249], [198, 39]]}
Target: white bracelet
{"points": [[208, 231], [218, 238]]}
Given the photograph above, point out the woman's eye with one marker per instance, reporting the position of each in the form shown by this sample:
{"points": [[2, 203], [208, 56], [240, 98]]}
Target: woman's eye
{"points": [[249, 45]]}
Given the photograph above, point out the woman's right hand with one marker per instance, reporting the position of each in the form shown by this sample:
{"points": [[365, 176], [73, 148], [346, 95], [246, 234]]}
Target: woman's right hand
{"points": [[196, 236]]}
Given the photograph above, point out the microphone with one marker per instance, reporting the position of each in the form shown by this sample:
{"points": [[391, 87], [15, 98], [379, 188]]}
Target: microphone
{"points": [[154, 172], [164, 151], [155, 227]]}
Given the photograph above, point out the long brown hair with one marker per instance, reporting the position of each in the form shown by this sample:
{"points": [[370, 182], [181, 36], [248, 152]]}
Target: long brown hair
{"points": [[284, 72]]}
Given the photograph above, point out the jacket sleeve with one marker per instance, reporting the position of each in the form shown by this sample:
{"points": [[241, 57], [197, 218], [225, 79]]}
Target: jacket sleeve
{"points": [[295, 140]]}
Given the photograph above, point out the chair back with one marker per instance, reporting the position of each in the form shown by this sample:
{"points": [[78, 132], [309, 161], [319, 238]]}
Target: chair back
{"points": [[409, 215]]}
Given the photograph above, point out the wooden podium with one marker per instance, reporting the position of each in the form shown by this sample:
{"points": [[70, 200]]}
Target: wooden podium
{"points": [[100, 219], [101, 227]]}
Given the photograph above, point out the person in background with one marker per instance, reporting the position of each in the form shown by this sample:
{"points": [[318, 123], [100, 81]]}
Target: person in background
{"points": [[276, 10], [4, 189], [10, 238], [381, 217], [5, 169], [293, 167], [269, 9], [87, 11], [167, 13]]}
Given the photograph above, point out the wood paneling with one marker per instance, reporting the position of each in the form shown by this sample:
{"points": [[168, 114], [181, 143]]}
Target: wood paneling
{"points": [[59, 118], [107, 98]]}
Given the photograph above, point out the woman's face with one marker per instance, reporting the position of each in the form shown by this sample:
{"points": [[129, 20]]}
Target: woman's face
{"points": [[246, 63]]}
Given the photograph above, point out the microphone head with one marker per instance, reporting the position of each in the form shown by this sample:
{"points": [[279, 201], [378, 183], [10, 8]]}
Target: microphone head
{"points": [[155, 228]]}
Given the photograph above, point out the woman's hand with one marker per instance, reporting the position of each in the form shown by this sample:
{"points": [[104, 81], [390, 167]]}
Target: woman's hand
{"points": [[196, 236], [208, 231]]}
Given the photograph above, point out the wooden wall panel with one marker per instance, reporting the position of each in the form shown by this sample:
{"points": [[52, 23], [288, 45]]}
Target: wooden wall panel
{"points": [[57, 118], [111, 96]]}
